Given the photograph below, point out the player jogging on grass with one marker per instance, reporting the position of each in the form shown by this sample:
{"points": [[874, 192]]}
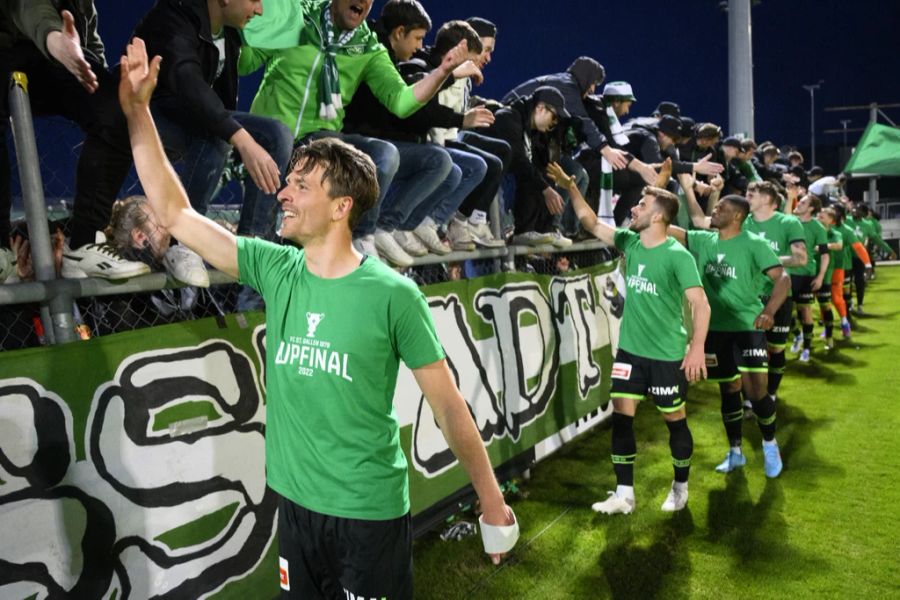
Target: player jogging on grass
{"points": [[807, 280]]}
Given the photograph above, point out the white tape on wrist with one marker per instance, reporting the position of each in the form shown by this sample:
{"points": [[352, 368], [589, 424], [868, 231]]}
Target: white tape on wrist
{"points": [[499, 539]]}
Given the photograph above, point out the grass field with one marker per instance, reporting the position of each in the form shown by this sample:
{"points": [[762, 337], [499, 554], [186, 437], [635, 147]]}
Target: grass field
{"points": [[828, 527]]}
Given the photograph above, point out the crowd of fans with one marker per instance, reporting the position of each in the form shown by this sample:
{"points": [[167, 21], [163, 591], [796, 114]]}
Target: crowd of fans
{"points": [[443, 154]]}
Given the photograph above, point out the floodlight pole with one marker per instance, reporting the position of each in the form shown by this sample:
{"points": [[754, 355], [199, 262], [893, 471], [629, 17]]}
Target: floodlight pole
{"points": [[812, 119], [740, 68]]}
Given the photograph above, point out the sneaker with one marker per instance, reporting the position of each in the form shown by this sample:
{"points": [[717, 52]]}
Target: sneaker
{"points": [[99, 260], [410, 243], [389, 249], [533, 238], [773, 464], [613, 505], [460, 236], [427, 233], [733, 460], [365, 244], [186, 266], [677, 498], [858, 309], [798, 344], [829, 343], [484, 237], [804, 356], [559, 240], [7, 263], [748, 410], [845, 330]]}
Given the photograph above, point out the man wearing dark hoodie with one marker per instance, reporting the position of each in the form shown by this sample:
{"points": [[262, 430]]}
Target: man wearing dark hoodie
{"points": [[536, 202]]}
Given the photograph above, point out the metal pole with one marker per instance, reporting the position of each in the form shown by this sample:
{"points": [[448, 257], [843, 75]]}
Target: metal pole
{"points": [[58, 310], [740, 68], [873, 181], [812, 119]]}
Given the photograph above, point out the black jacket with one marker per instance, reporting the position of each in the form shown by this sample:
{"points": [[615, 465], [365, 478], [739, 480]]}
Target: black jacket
{"points": [[189, 91], [572, 84], [367, 116], [33, 20], [644, 145], [512, 124]]}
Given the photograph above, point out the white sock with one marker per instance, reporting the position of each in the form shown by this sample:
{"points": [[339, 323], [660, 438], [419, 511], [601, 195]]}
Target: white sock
{"points": [[478, 217], [772, 443], [625, 491], [737, 450], [680, 486]]}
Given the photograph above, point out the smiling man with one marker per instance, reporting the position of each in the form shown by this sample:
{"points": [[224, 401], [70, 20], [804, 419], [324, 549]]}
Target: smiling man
{"points": [[340, 324]]}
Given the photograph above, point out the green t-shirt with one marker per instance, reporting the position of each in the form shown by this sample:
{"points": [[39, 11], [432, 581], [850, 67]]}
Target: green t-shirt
{"points": [[780, 231], [834, 256], [847, 253], [814, 235], [333, 348], [655, 279], [734, 274], [875, 232]]}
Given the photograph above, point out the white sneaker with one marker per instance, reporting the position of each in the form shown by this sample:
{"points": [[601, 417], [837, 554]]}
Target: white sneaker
{"points": [[798, 344], [613, 505], [428, 234], [366, 245], [559, 240], [483, 236], [7, 263], [389, 249], [460, 235], [677, 498], [99, 260], [410, 243], [533, 238], [186, 266]]}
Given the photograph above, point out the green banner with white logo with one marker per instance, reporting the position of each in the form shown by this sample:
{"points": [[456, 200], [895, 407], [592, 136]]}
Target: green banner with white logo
{"points": [[133, 465]]}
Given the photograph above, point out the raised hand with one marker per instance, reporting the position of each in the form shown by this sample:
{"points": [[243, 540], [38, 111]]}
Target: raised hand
{"points": [[559, 177], [665, 172], [138, 77], [65, 47], [455, 57]]}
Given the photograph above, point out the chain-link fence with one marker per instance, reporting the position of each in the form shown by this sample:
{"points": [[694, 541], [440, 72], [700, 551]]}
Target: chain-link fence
{"points": [[150, 300]]}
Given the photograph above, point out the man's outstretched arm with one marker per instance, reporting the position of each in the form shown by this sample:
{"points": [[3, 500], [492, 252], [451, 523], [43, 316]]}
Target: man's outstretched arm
{"points": [[586, 215], [164, 191]]}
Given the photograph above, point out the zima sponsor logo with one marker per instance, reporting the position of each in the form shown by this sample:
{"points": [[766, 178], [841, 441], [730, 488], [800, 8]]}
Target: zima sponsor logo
{"points": [[640, 284], [754, 353], [660, 390], [712, 360], [621, 371], [781, 329]]}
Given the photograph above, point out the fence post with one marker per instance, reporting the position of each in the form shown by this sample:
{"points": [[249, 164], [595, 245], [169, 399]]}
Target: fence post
{"points": [[58, 309]]}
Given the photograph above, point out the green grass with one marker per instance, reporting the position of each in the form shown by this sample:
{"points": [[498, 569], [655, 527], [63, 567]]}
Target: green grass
{"points": [[828, 527]]}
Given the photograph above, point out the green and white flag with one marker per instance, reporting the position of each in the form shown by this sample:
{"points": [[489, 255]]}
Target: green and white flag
{"points": [[877, 153], [605, 211]]}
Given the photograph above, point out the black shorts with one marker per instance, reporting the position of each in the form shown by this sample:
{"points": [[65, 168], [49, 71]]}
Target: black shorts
{"points": [[321, 556], [637, 377], [824, 294], [730, 353], [801, 289], [778, 335]]}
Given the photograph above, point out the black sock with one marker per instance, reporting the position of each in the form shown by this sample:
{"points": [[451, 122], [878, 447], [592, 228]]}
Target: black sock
{"points": [[732, 416], [624, 448], [795, 326], [828, 319], [776, 371], [681, 444], [807, 336], [765, 417]]}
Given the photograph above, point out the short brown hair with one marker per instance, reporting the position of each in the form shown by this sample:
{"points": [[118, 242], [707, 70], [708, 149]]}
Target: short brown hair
{"points": [[709, 130], [348, 172], [453, 32], [815, 203], [665, 200], [766, 188], [126, 215]]}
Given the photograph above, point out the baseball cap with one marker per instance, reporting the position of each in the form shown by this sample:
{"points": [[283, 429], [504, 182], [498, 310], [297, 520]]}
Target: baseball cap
{"points": [[687, 127], [732, 141], [619, 89], [668, 108], [553, 98], [669, 125]]}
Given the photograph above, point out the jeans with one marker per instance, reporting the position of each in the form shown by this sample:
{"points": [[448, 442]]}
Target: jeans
{"points": [[467, 172], [496, 154], [423, 167], [387, 162], [204, 159]]}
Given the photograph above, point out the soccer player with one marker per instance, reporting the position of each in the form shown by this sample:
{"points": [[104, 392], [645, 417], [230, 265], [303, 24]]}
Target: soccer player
{"points": [[734, 265], [852, 247], [332, 440], [827, 294], [784, 233], [651, 359], [808, 279]]}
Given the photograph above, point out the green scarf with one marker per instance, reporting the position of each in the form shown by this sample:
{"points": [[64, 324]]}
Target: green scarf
{"points": [[329, 79]]}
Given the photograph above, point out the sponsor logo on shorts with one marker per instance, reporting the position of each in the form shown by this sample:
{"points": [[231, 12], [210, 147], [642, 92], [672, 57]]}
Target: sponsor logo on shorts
{"points": [[712, 360], [754, 353], [781, 329], [658, 390], [621, 371], [283, 574]]}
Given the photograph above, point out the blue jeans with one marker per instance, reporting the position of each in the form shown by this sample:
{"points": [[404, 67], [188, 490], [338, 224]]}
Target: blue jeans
{"points": [[387, 161], [468, 171], [204, 157], [423, 167]]}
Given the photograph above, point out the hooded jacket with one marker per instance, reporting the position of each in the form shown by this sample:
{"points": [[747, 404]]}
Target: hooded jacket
{"points": [[33, 20], [188, 91], [512, 124], [573, 84]]}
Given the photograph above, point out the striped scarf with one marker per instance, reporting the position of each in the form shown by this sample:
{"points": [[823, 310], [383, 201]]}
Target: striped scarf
{"points": [[605, 211], [329, 80]]}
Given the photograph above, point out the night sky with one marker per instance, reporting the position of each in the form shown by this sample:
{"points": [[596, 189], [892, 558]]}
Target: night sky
{"points": [[676, 51]]}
